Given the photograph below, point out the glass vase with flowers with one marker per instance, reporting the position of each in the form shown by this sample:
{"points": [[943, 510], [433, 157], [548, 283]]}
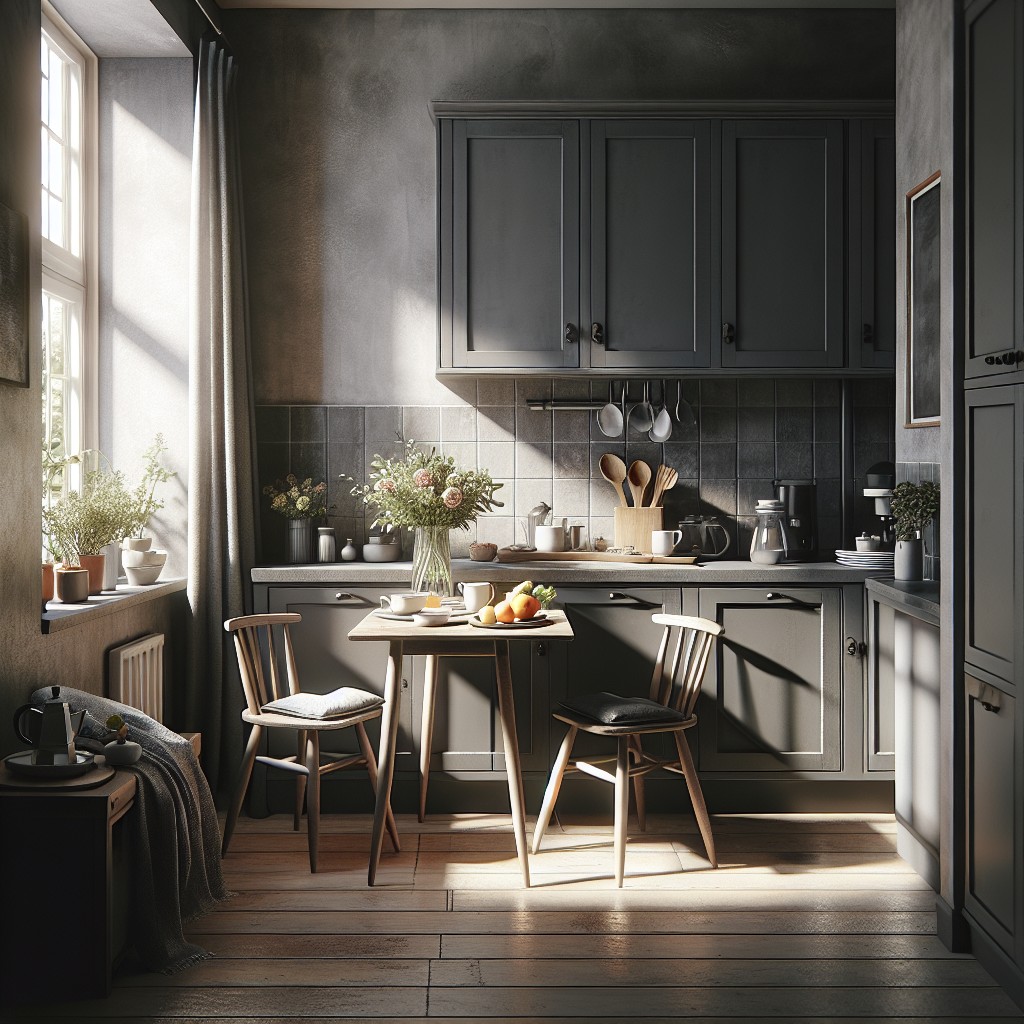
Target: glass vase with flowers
{"points": [[427, 492]]}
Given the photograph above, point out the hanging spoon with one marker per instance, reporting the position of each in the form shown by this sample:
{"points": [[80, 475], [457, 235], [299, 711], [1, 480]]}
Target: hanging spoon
{"points": [[643, 412], [661, 430], [609, 417]]}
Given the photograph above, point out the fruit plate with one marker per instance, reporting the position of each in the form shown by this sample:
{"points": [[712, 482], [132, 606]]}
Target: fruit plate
{"points": [[540, 619]]}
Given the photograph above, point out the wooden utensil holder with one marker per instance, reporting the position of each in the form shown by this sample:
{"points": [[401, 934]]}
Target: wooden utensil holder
{"points": [[634, 526]]}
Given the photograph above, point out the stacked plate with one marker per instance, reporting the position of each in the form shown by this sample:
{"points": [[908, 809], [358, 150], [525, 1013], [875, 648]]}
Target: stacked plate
{"points": [[878, 563]]}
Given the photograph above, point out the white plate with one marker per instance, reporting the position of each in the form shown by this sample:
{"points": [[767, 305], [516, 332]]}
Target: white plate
{"points": [[457, 615]]}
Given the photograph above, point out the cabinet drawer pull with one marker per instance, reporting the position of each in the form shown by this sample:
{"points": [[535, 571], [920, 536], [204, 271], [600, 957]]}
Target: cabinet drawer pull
{"points": [[639, 601], [597, 334], [342, 597], [990, 360], [571, 334], [994, 708], [867, 336], [987, 696], [728, 334], [773, 596], [855, 648]]}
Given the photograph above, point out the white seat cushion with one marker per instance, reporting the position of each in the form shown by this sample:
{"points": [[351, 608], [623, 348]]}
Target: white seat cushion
{"points": [[347, 700]]}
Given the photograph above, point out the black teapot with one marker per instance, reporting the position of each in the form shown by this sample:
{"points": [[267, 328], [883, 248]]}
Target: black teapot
{"points": [[28, 719]]}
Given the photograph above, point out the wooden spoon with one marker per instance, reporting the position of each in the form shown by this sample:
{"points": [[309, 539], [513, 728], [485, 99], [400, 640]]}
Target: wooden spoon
{"points": [[664, 480], [613, 469], [639, 476]]}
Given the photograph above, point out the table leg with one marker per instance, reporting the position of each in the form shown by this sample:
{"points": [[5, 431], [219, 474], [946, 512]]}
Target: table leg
{"points": [[507, 713], [427, 730], [386, 754]]}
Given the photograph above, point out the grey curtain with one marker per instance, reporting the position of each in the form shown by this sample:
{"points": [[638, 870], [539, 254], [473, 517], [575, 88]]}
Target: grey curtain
{"points": [[221, 505]]}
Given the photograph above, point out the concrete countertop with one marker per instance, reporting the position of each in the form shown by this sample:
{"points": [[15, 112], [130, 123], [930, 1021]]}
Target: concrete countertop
{"points": [[918, 599], [583, 573]]}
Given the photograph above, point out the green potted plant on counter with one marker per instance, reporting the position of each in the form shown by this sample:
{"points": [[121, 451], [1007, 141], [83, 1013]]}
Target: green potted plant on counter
{"points": [[914, 506]]}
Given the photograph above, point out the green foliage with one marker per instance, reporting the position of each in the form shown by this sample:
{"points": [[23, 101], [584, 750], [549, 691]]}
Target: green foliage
{"points": [[914, 506], [426, 489], [83, 524], [144, 502], [545, 595]]}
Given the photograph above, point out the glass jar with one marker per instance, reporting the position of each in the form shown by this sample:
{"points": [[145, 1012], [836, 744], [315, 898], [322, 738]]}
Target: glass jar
{"points": [[770, 544]]}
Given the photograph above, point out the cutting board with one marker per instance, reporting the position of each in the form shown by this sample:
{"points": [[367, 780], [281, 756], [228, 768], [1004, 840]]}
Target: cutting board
{"points": [[508, 555]]}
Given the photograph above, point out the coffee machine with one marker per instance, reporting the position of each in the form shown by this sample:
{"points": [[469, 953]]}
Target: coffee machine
{"points": [[799, 498]]}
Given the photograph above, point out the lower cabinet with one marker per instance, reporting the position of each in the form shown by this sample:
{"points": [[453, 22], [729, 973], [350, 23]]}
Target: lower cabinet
{"points": [[995, 855]]}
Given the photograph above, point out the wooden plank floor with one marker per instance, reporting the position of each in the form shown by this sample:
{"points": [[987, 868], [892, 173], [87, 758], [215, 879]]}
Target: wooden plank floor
{"points": [[808, 918]]}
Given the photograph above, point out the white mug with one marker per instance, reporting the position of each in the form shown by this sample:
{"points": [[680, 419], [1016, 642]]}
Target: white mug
{"points": [[663, 542], [549, 538], [476, 595], [404, 604]]}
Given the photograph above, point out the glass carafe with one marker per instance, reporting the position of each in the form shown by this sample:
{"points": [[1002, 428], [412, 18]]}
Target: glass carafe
{"points": [[770, 544]]}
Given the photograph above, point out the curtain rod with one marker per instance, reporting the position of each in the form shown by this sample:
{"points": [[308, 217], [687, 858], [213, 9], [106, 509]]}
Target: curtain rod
{"points": [[214, 22]]}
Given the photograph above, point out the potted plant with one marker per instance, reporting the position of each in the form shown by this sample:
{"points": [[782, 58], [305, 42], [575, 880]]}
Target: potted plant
{"points": [[300, 502], [144, 503], [80, 525], [913, 507], [426, 491], [120, 750]]}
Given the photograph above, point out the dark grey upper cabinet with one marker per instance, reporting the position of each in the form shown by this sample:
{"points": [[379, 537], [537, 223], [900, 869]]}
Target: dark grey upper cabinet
{"points": [[650, 244], [994, 605], [509, 244], [994, 34], [872, 259], [782, 244]]}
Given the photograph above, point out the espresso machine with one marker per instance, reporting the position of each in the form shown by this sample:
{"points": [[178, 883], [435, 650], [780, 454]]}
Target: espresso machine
{"points": [[799, 500]]}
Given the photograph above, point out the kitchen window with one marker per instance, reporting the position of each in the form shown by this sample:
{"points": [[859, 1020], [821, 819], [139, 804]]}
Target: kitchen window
{"points": [[68, 207]]}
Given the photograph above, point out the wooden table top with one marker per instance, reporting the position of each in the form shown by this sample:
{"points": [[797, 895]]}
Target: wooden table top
{"points": [[377, 627]]}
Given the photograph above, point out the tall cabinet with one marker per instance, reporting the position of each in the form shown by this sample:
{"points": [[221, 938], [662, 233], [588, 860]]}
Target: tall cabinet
{"points": [[993, 673]]}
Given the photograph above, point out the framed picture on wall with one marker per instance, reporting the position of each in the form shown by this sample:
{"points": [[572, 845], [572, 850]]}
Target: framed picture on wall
{"points": [[924, 302], [13, 297]]}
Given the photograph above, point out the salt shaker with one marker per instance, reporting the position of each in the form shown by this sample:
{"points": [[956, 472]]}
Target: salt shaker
{"points": [[327, 545], [348, 552]]}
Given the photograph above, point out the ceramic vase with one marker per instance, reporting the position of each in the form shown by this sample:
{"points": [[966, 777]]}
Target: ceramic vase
{"points": [[122, 753], [71, 585], [908, 564], [300, 541], [111, 566], [96, 564], [327, 544], [432, 561], [47, 582]]}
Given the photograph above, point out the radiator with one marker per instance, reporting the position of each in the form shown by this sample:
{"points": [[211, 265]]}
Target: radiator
{"points": [[136, 676]]}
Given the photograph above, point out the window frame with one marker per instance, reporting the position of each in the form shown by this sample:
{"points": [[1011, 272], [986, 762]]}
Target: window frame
{"points": [[76, 279]]}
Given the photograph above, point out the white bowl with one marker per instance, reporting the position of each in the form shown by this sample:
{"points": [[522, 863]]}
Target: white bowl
{"points": [[142, 575], [382, 552], [135, 559], [136, 543], [431, 617]]}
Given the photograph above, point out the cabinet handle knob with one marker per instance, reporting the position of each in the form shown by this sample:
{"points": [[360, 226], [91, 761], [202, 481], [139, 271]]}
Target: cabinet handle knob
{"points": [[990, 360], [854, 648], [990, 707], [342, 597], [597, 334], [728, 334], [868, 334], [571, 334]]}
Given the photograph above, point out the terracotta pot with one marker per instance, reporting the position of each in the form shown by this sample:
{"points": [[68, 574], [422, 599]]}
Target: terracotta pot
{"points": [[47, 582], [71, 585], [96, 564]]}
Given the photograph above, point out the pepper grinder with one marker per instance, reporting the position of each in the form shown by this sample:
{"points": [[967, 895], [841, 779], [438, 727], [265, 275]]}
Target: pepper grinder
{"points": [[348, 552], [327, 544]]}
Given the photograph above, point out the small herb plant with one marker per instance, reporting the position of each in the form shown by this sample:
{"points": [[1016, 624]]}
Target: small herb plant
{"points": [[144, 502], [83, 524], [914, 506], [117, 725]]}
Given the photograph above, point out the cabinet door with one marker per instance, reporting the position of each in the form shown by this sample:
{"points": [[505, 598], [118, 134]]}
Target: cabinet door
{"points": [[872, 262], [772, 697], [782, 244], [994, 60], [510, 243], [994, 852], [993, 605], [650, 250], [881, 682]]}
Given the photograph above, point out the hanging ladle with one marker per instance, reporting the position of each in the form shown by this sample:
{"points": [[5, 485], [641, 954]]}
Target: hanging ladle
{"points": [[691, 415], [609, 417], [661, 429], [643, 412]]}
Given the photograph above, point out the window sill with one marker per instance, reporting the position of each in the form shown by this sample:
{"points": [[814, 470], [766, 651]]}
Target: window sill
{"points": [[58, 616]]}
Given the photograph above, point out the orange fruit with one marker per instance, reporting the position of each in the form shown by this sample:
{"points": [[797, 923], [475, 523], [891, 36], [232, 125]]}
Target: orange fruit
{"points": [[433, 601], [503, 612], [525, 606]]}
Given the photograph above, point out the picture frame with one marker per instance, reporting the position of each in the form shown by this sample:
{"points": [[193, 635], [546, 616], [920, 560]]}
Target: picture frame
{"points": [[924, 303], [14, 362]]}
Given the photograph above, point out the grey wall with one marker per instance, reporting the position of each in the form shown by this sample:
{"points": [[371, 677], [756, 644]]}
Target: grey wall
{"points": [[924, 144], [145, 113], [338, 151], [28, 659]]}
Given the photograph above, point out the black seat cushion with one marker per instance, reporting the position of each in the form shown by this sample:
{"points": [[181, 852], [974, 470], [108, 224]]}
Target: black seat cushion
{"points": [[611, 709]]}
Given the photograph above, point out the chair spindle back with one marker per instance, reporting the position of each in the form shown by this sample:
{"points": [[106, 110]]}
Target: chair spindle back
{"points": [[676, 682], [257, 657]]}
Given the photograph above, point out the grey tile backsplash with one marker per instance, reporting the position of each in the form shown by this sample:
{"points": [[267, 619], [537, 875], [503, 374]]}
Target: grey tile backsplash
{"points": [[748, 432]]}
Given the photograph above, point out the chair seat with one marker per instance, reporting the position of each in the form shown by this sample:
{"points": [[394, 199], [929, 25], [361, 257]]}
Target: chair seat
{"points": [[620, 714], [346, 700], [276, 720]]}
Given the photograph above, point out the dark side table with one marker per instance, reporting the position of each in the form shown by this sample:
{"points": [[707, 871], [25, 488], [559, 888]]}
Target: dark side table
{"points": [[63, 878]]}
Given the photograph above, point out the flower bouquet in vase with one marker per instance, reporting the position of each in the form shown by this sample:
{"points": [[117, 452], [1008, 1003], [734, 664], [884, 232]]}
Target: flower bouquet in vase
{"points": [[300, 502], [430, 494]]}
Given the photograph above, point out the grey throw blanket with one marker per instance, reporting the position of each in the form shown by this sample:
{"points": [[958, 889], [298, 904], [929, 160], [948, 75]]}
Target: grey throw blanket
{"points": [[175, 837]]}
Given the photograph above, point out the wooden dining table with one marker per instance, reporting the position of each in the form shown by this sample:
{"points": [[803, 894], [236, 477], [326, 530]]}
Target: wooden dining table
{"points": [[455, 639]]}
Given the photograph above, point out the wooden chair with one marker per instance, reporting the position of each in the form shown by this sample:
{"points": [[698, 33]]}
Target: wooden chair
{"points": [[675, 686], [254, 646]]}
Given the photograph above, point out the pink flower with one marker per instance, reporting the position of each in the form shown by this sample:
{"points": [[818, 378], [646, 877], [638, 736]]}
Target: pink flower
{"points": [[423, 478], [385, 485], [452, 497]]}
